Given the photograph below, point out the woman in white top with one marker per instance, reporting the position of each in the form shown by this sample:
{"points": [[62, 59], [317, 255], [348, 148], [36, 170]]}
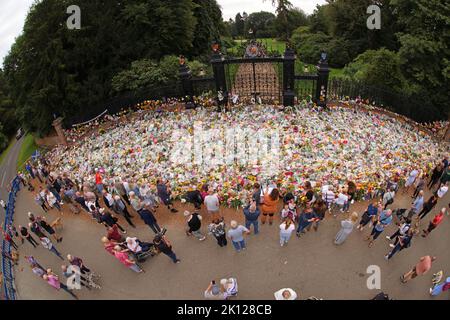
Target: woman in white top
{"points": [[442, 190], [286, 229], [341, 201], [52, 201]]}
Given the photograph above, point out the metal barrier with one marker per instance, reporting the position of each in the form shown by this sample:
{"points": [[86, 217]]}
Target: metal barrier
{"points": [[7, 265]]}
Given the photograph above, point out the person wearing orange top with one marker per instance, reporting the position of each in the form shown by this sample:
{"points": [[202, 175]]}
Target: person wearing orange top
{"points": [[269, 205]]}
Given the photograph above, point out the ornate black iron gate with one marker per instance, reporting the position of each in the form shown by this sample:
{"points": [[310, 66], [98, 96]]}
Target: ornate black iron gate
{"points": [[259, 79]]}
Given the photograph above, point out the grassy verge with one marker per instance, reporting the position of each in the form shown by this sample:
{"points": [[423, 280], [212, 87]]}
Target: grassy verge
{"points": [[5, 152], [27, 149]]}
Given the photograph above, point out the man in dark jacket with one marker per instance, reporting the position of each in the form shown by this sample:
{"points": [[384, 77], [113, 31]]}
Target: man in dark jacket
{"points": [[81, 201], [149, 219], [251, 214], [108, 220]]}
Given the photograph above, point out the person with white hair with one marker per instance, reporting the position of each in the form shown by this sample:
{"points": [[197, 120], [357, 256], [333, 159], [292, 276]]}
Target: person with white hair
{"points": [[145, 214], [236, 234], [230, 286], [194, 223], [285, 294], [214, 292]]}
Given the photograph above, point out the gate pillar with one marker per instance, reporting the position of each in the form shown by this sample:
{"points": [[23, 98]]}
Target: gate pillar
{"points": [[323, 72], [218, 66], [288, 76]]}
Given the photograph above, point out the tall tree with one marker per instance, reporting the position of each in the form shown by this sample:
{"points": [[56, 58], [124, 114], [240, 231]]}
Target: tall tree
{"points": [[282, 8], [239, 25]]}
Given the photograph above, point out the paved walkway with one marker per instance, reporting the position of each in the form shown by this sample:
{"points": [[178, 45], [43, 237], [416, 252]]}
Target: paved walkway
{"points": [[8, 172], [312, 265]]}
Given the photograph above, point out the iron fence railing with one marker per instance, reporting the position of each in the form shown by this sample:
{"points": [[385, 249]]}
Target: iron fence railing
{"points": [[9, 291]]}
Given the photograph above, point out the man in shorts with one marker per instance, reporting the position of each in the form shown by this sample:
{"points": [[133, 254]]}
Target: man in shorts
{"points": [[422, 267], [212, 205]]}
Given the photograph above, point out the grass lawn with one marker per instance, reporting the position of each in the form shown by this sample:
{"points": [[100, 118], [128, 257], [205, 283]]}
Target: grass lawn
{"points": [[271, 45], [27, 149], [5, 152]]}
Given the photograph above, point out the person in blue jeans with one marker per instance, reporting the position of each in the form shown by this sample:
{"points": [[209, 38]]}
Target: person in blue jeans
{"points": [[236, 234], [251, 214]]}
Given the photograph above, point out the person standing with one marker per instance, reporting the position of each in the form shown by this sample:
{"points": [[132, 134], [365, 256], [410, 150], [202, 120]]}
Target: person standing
{"points": [[212, 204], [401, 232], [382, 222], [114, 234], [122, 256], [439, 288], [7, 237], [305, 220], [442, 190], [370, 215], [410, 180], [164, 246], [48, 228], [40, 202], [420, 185], [25, 234], [403, 243], [194, 223], [388, 198], [256, 196], [109, 220], [340, 202], [217, 229], [319, 210], [164, 193], [251, 214], [78, 262], [286, 229], [434, 223], [435, 175], [107, 199], [145, 214], [346, 228], [421, 268], [428, 206], [53, 280], [445, 176], [269, 205], [47, 244], [236, 234], [417, 205], [120, 208], [98, 181], [52, 200]]}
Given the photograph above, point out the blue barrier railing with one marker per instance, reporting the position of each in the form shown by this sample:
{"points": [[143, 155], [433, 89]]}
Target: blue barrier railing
{"points": [[7, 265]]}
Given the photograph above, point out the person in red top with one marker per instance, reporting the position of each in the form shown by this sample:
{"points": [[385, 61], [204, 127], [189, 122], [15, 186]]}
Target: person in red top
{"points": [[422, 267], [114, 234], [98, 181], [434, 223]]}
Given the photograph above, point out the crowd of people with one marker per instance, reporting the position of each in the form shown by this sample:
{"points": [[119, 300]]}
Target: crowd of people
{"points": [[329, 161]]}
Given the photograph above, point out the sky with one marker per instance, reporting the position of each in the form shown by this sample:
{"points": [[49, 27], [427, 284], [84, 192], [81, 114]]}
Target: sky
{"points": [[14, 12], [231, 7]]}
